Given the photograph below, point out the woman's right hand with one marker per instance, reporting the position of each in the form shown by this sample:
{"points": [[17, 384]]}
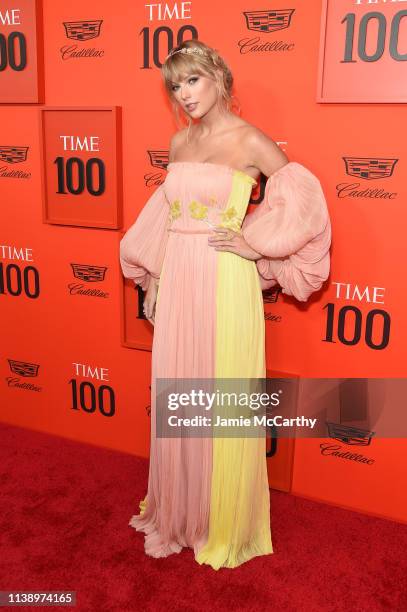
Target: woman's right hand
{"points": [[150, 300]]}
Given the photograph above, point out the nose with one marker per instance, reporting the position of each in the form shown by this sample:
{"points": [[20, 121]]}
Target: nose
{"points": [[184, 93]]}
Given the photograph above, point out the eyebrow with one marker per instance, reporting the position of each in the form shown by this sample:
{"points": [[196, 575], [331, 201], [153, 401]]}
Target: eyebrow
{"points": [[186, 78]]}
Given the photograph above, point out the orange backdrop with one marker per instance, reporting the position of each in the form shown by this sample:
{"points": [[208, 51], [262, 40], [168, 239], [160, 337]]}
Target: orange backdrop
{"points": [[74, 344]]}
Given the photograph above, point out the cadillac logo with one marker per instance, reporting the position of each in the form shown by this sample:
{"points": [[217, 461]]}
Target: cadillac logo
{"points": [[89, 274], [23, 368], [268, 21], [350, 435], [13, 155], [370, 168], [83, 30], [158, 159], [270, 296]]}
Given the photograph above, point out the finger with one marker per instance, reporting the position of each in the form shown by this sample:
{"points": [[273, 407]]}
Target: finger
{"points": [[230, 248], [219, 228], [151, 313], [222, 228], [226, 243], [219, 239]]}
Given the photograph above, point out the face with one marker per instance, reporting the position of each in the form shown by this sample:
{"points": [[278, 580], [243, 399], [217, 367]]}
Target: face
{"points": [[196, 94]]}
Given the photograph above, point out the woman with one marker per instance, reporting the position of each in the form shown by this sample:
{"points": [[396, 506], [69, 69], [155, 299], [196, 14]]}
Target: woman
{"points": [[212, 261]]}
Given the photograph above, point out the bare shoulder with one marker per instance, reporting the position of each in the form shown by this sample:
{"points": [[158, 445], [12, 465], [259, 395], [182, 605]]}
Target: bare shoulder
{"points": [[265, 154], [177, 139]]}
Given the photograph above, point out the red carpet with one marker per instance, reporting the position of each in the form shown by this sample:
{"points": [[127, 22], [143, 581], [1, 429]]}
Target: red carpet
{"points": [[64, 526]]}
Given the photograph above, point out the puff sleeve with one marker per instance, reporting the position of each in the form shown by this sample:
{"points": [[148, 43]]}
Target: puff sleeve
{"points": [[291, 229], [142, 247]]}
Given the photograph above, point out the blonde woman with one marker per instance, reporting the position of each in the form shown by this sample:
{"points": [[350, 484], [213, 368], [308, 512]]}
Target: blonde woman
{"points": [[203, 262]]}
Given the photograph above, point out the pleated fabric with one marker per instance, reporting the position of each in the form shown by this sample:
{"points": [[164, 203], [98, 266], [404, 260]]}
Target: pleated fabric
{"points": [[292, 229], [239, 524], [212, 494], [176, 508]]}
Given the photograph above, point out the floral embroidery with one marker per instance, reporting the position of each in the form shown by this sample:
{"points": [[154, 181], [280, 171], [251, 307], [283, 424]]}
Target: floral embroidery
{"points": [[231, 219], [198, 210], [175, 210]]}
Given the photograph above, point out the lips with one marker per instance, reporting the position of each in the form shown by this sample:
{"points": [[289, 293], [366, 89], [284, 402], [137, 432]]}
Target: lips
{"points": [[191, 106]]}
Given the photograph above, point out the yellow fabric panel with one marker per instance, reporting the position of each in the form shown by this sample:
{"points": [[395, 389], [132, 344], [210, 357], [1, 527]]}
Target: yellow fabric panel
{"points": [[239, 524]]}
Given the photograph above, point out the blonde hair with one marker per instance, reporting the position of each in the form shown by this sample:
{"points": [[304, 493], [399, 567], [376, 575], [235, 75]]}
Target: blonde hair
{"points": [[209, 64]]}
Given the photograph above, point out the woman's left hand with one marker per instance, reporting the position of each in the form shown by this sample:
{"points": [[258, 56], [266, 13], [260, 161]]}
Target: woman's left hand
{"points": [[226, 239]]}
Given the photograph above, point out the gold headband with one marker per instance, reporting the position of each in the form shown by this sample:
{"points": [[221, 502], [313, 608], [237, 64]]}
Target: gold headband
{"points": [[187, 50]]}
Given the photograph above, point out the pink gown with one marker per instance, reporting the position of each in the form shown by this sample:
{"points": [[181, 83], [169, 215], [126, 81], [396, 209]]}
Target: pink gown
{"points": [[206, 494]]}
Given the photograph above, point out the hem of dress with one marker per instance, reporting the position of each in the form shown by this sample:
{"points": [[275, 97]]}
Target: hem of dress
{"points": [[243, 556], [154, 544]]}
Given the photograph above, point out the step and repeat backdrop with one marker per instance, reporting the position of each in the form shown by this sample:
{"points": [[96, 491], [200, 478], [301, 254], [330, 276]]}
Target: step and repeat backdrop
{"points": [[85, 126]]}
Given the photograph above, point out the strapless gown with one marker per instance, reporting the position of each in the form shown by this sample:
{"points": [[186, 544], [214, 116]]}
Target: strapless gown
{"points": [[212, 495]]}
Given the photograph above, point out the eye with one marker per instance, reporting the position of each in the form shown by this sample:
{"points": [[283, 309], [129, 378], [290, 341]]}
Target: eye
{"points": [[193, 79]]}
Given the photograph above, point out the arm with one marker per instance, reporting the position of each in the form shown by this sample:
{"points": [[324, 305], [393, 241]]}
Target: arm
{"points": [[289, 233], [290, 229], [265, 154], [142, 248]]}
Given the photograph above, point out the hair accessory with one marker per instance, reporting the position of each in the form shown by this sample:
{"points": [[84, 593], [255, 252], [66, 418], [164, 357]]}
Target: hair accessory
{"points": [[187, 50]]}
